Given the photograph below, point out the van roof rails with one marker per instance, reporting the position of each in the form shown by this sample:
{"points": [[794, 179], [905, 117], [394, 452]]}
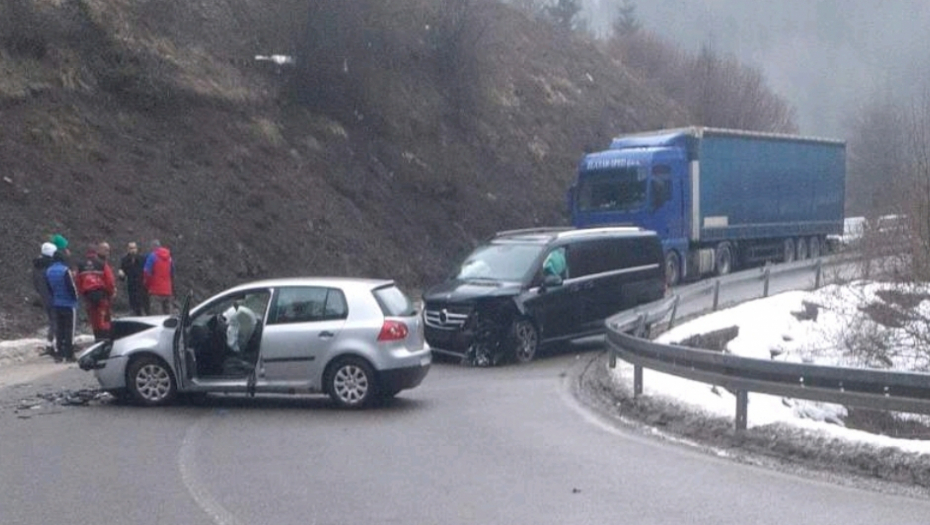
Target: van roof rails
{"points": [[550, 229]]}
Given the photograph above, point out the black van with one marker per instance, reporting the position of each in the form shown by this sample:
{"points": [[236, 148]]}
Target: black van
{"points": [[525, 288]]}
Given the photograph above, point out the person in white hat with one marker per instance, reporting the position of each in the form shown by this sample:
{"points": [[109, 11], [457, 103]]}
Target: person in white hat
{"points": [[39, 265]]}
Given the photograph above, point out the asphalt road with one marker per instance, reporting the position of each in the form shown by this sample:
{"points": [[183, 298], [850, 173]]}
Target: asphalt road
{"points": [[507, 445]]}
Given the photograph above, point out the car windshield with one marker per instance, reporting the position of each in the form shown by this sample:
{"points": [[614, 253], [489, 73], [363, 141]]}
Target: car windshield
{"points": [[499, 262]]}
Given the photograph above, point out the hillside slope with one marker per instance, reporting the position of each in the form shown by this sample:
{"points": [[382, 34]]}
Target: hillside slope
{"points": [[139, 120]]}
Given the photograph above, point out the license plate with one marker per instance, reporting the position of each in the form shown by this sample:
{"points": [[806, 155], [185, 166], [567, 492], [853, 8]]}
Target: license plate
{"points": [[425, 360]]}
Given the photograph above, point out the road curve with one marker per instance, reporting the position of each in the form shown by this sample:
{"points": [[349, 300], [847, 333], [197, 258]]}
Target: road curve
{"points": [[472, 446]]}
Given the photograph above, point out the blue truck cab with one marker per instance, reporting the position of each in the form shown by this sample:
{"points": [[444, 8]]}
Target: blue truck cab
{"points": [[719, 199]]}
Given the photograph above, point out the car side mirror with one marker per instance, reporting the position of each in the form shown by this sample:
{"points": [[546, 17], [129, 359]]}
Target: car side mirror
{"points": [[171, 322], [550, 281]]}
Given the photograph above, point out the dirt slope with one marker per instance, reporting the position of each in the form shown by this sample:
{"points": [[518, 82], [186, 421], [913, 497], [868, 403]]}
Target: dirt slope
{"points": [[127, 120]]}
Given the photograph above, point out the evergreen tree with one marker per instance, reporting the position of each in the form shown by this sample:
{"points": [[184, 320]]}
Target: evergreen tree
{"points": [[626, 22], [563, 13]]}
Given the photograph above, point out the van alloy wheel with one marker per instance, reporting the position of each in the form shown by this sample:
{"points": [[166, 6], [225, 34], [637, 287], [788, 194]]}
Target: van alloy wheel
{"points": [[525, 340]]}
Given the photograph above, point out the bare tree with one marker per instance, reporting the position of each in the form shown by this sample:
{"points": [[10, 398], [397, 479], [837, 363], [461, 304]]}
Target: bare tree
{"points": [[876, 158], [719, 92], [916, 188]]}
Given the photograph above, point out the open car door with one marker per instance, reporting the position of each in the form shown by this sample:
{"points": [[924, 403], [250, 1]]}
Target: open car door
{"points": [[183, 358]]}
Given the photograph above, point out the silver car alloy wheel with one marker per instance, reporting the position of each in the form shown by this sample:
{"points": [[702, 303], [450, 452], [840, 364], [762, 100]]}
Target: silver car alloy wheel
{"points": [[153, 382], [351, 384], [526, 340]]}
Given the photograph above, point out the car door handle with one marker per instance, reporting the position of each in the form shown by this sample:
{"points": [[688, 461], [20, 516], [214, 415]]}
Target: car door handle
{"points": [[326, 334]]}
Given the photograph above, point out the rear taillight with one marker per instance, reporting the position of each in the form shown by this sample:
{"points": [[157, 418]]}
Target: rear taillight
{"points": [[393, 331]]}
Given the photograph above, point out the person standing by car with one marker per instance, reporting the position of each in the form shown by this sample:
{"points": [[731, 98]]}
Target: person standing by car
{"points": [[39, 266], [97, 287], [131, 267], [158, 275], [64, 303]]}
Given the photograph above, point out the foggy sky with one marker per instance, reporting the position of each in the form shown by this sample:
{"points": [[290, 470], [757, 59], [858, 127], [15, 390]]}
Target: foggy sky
{"points": [[825, 57]]}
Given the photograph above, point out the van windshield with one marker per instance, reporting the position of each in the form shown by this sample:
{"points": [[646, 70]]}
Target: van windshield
{"points": [[500, 262]]}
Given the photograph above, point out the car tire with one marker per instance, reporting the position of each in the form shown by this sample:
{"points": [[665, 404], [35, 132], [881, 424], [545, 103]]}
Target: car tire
{"points": [[150, 382], [351, 383], [524, 339], [724, 259], [672, 269]]}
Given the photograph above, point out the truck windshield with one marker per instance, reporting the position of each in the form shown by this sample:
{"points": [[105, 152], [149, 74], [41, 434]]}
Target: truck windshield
{"points": [[617, 189], [499, 262]]}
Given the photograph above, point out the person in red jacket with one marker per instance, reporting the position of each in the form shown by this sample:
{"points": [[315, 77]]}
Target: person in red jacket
{"points": [[158, 276], [97, 286]]}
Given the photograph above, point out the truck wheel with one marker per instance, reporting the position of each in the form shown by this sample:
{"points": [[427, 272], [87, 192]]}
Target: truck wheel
{"points": [[814, 247], [789, 250], [802, 248], [672, 269], [724, 258]]}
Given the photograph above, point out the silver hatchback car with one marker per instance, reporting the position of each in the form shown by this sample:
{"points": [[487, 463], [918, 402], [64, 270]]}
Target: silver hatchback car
{"points": [[357, 340]]}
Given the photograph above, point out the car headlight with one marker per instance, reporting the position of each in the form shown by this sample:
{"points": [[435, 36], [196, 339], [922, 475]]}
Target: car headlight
{"points": [[99, 351]]}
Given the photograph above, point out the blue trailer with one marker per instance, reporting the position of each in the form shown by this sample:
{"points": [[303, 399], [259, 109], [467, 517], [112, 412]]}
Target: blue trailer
{"points": [[719, 199]]}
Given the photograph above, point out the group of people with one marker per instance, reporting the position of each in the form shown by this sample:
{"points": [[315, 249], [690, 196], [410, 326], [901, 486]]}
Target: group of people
{"points": [[63, 283]]}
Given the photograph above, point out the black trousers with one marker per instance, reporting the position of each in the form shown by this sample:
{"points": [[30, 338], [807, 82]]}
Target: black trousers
{"points": [[138, 299], [64, 332]]}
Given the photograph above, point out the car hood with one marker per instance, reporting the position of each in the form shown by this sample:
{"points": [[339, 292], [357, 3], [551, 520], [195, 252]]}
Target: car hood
{"points": [[457, 290], [126, 326]]}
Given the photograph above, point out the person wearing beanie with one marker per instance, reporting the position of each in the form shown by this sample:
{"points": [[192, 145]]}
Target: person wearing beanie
{"points": [[39, 265], [64, 304], [61, 244]]}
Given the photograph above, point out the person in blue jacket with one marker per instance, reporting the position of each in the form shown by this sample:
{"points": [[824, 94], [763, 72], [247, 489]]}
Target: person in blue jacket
{"points": [[64, 302]]}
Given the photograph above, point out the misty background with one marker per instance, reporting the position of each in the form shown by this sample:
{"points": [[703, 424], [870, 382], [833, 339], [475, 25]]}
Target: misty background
{"points": [[827, 58]]}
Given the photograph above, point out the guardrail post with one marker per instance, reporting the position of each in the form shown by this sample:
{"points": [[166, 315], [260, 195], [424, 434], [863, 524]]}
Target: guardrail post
{"points": [[742, 407], [716, 294], [612, 358], [637, 380], [641, 326], [671, 322], [766, 273], [819, 275]]}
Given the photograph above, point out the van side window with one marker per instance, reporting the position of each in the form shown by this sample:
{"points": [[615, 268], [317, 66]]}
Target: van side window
{"points": [[556, 263], [607, 255]]}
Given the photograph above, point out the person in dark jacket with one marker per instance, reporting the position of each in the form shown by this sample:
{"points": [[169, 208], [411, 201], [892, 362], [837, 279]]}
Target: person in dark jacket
{"points": [[97, 286], [64, 303], [131, 267], [158, 275], [39, 265]]}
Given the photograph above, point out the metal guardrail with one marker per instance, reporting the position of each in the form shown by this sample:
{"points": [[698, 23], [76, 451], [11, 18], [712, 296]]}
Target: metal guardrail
{"points": [[866, 388]]}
